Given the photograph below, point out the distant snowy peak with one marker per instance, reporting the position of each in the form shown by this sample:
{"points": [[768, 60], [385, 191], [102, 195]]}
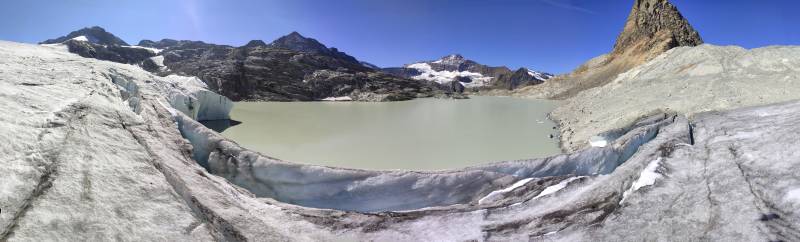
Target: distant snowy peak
{"points": [[470, 73], [467, 78], [455, 67]]}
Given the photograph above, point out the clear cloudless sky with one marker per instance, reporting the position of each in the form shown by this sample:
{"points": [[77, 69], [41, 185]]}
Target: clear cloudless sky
{"points": [[548, 35]]}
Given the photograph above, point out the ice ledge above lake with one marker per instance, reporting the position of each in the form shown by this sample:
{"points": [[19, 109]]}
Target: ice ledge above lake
{"points": [[98, 154]]}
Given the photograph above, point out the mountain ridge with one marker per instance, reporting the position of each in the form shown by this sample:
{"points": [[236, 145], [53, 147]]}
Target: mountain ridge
{"points": [[291, 68]]}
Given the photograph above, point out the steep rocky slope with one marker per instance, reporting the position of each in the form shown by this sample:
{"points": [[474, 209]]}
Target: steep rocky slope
{"points": [[652, 28], [457, 70]]}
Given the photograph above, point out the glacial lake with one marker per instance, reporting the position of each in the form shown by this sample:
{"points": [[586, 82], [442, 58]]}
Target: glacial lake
{"points": [[422, 134]]}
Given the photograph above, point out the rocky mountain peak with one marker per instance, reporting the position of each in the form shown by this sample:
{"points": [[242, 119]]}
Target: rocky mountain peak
{"points": [[297, 42], [653, 27], [94, 35], [452, 60], [255, 43]]}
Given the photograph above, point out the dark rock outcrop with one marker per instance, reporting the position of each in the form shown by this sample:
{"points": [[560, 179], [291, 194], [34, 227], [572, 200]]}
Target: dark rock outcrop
{"points": [[115, 53], [454, 86], [519, 78]]}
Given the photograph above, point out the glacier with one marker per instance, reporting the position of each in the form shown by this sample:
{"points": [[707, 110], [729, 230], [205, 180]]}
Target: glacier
{"points": [[106, 151]]}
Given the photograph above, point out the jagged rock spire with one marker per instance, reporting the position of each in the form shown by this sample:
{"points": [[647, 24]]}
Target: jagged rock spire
{"points": [[655, 26]]}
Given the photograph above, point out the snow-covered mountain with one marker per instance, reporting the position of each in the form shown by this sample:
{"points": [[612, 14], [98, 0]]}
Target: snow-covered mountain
{"points": [[469, 73]]}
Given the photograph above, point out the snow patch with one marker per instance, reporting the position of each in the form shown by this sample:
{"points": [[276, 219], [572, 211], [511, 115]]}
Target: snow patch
{"points": [[539, 75], [159, 61], [494, 194], [793, 196], [338, 99], [646, 178], [81, 38], [597, 141], [154, 50], [557, 187]]}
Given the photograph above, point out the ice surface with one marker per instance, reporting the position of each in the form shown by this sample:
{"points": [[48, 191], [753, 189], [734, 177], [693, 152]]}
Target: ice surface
{"points": [[494, 194], [793, 196], [646, 178], [557, 187]]}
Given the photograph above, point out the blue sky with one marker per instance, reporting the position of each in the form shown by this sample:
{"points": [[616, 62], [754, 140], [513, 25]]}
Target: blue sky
{"points": [[547, 35]]}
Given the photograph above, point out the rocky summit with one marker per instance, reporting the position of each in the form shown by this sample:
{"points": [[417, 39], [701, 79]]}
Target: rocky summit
{"points": [[297, 42], [652, 28], [94, 35]]}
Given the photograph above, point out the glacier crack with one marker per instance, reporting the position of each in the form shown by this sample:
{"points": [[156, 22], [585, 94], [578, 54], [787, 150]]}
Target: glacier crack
{"points": [[771, 216], [74, 111]]}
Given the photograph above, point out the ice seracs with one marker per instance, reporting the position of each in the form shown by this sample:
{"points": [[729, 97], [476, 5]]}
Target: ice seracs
{"points": [[191, 96], [494, 194]]}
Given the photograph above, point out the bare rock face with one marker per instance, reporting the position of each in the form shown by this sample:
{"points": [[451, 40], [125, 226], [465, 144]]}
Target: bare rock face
{"points": [[653, 27]]}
